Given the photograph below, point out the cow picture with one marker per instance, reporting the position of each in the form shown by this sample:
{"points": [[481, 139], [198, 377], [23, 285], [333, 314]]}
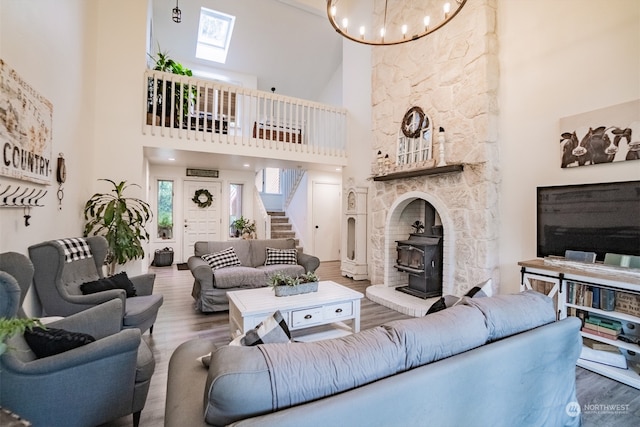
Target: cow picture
{"points": [[603, 136]]}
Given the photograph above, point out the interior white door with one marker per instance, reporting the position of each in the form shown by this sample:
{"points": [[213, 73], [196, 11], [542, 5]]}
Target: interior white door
{"points": [[326, 221], [201, 223]]}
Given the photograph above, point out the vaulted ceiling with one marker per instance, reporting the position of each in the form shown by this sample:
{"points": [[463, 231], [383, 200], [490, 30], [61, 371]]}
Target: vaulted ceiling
{"points": [[286, 44]]}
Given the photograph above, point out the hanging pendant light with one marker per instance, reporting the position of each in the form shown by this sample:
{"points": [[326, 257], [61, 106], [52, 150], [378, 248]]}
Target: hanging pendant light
{"points": [[400, 22], [177, 14]]}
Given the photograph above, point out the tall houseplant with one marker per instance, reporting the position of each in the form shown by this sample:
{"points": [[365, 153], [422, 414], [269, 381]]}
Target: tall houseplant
{"points": [[121, 220], [162, 62]]}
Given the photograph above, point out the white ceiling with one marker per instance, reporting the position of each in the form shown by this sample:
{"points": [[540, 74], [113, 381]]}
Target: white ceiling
{"points": [[286, 44]]}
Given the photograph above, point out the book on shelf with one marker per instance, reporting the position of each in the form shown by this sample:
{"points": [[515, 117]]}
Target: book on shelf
{"points": [[605, 357], [599, 333], [597, 345], [596, 297]]}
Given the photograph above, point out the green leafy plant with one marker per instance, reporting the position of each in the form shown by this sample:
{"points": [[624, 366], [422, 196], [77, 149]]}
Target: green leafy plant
{"points": [[162, 62], [244, 226], [282, 279], [13, 326], [121, 220]]}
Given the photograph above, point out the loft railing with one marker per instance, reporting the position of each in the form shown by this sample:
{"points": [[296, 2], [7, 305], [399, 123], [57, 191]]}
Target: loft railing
{"points": [[187, 107]]}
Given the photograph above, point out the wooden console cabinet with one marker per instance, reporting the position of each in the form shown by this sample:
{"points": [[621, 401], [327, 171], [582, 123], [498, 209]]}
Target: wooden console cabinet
{"points": [[556, 278]]}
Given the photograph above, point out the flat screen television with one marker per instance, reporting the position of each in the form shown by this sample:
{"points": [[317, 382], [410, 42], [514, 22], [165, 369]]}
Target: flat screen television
{"points": [[601, 218]]}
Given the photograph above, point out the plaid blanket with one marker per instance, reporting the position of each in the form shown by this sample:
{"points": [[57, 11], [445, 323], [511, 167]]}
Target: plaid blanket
{"points": [[75, 248]]}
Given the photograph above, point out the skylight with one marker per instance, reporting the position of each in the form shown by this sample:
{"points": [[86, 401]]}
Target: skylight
{"points": [[214, 35]]}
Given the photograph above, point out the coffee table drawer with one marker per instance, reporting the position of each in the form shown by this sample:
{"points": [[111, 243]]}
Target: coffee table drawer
{"points": [[338, 311], [306, 317]]}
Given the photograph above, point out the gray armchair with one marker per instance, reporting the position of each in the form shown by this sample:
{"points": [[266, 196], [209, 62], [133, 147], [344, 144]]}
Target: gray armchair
{"points": [[20, 268], [61, 269], [86, 386]]}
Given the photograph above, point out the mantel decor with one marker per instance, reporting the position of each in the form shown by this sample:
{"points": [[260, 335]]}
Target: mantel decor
{"points": [[420, 172], [202, 198]]}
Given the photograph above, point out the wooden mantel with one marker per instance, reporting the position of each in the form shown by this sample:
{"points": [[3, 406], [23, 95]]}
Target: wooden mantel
{"points": [[439, 170]]}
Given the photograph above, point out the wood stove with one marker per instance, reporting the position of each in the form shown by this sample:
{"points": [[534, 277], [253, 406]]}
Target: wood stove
{"points": [[421, 257]]}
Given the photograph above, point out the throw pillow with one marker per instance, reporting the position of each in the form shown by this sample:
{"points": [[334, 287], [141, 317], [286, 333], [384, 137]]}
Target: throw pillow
{"points": [[117, 281], [51, 341], [281, 256], [271, 330], [437, 306], [481, 290], [224, 258]]}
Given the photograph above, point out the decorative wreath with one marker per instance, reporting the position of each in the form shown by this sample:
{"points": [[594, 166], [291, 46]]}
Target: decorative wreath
{"points": [[202, 198], [413, 122]]}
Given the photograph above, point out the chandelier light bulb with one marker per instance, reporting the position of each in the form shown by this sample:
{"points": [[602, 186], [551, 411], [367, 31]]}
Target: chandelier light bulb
{"points": [[427, 20], [345, 23], [382, 32], [333, 11], [447, 9], [362, 31], [404, 30]]}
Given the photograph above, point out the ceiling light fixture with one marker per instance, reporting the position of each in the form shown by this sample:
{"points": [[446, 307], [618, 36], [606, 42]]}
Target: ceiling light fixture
{"points": [[177, 14], [406, 21]]}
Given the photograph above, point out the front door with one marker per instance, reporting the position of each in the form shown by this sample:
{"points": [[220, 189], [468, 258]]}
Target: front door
{"points": [[202, 220]]}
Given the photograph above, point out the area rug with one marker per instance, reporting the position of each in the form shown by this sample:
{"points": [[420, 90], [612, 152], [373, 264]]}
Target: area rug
{"points": [[182, 266]]}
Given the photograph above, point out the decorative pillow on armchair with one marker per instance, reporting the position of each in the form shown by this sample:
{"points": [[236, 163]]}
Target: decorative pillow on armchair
{"points": [[51, 341], [117, 281], [224, 258], [281, 256]]}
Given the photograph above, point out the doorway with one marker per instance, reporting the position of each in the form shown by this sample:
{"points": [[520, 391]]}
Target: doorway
{"points": [[202, 219], [326, 221]]}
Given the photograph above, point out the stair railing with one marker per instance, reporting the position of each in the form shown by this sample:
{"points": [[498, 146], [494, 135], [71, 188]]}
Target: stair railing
{"points": [[289, 181], [265, 218]]}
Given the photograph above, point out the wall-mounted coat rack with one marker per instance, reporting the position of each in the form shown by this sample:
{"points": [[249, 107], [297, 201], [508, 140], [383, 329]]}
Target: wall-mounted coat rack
{"points": [[21, 197]]}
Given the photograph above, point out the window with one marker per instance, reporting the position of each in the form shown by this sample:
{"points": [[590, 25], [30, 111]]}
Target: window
{"points": [[235, 207], [214, 35], [272, 180], [165, 209]]}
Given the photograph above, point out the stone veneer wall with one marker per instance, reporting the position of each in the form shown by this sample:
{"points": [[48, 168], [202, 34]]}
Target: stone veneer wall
{"points": [[452, 75]]}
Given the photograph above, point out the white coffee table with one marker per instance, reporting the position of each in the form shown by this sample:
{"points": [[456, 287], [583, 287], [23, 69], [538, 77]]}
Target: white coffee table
{"points": [[310, 317]]}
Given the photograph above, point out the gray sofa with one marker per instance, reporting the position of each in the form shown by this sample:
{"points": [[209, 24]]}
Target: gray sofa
{"points": [[210, 287], [499, 361]]}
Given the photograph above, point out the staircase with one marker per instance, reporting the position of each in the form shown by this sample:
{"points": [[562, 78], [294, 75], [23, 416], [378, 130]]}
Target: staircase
{"points": [[281, 228]]}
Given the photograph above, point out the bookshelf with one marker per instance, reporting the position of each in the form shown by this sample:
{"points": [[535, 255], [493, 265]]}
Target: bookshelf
{"points": [[571, 285]]}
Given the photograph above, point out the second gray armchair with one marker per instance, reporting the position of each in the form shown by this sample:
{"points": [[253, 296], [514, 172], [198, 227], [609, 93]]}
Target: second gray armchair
{"points": [[62, 266]]}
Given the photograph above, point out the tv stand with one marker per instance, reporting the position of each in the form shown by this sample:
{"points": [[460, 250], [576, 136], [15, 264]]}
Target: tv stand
{"points": [[555, 279]]}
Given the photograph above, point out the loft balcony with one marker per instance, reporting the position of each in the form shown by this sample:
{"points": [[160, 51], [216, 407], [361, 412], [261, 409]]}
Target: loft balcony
{"points": [[202, 115]]}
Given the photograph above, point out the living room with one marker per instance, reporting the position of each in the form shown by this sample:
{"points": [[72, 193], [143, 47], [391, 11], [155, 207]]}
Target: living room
{"points": [[545, 60]]}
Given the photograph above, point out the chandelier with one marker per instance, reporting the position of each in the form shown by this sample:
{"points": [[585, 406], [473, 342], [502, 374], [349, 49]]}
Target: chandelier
{"points": [[176, 14], [389, 22]]}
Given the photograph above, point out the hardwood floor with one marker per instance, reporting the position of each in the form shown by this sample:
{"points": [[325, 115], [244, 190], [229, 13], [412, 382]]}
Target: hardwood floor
{"points": [[178, 321]]}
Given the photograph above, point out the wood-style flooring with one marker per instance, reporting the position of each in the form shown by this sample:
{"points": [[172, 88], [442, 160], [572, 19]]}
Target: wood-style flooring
{"points": [[178, 322]]}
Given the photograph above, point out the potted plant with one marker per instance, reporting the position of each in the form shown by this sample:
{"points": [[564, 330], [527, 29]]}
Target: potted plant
{"points": [[13, 326], [285, 285], [162, 62], [121, 220], [165, 227], [244, 227]]}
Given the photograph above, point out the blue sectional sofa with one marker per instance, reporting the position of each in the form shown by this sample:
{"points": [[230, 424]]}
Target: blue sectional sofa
{"points": [[500, 360]]}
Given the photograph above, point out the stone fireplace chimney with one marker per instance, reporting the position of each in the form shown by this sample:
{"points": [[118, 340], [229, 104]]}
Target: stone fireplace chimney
{"points": [[452, 75]]}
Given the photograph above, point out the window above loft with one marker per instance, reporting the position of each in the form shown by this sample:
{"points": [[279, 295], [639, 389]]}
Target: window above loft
{"points": [[214, 35]]}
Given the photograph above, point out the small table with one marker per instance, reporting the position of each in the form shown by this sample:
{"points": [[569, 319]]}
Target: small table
{"points": [[310, 317]]}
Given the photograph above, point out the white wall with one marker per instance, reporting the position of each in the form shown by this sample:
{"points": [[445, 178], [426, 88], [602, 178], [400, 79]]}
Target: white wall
{"points": [[558, 58]]}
